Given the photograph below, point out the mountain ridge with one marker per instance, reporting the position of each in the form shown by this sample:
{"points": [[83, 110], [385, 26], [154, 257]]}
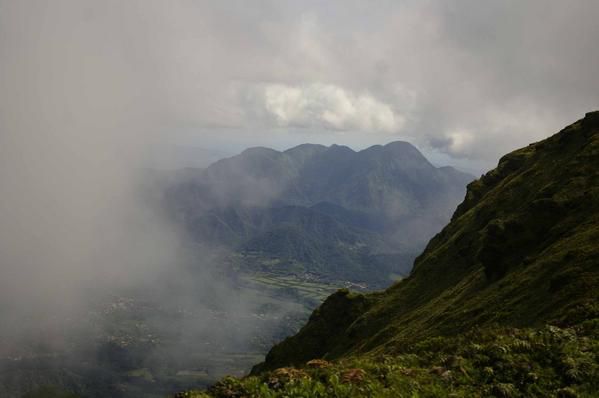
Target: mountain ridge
{"points": [[503, 302], [391, 195], [524, 239]]}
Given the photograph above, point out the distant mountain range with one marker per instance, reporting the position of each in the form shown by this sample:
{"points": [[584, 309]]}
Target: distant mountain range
{"points": [[503, 302], [327, 211]]}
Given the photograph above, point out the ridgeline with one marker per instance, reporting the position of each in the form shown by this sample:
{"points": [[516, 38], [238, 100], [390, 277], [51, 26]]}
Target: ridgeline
{"points": [[502, 302]]}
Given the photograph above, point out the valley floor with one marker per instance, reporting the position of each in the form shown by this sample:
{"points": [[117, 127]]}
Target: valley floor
{"points": [[128, 345]]}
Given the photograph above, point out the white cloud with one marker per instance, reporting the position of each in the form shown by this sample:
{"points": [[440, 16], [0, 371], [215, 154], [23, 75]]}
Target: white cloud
{"points": [[330, 107]]}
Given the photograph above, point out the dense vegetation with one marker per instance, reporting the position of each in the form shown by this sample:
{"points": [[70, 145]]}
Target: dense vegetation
{"points": [[49, 392], [502, 302], [499, 362]]}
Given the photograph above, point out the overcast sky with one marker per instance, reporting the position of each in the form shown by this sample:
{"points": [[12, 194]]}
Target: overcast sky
{"points": [[465, 81]]}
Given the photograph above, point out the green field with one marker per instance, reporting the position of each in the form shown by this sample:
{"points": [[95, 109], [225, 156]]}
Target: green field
{"points": [[277, 285]]}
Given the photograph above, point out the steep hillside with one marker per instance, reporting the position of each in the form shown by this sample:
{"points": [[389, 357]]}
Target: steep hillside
{"points": [[358, 216], [503, 302], [521, 250]]}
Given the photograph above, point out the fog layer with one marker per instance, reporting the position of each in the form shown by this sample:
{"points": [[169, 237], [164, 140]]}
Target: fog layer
{"points": [[90, 89]]}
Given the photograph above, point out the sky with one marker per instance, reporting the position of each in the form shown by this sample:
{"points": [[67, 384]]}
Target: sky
{"points": [[465, 81]]}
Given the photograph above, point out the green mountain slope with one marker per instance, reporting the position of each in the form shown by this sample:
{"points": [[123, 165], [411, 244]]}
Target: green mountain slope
{"points": [[520, 253], [521, 250]]}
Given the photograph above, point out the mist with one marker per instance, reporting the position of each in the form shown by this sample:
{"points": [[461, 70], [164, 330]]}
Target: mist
{"points": [[72, 151], [84, 239], [94, 95]]}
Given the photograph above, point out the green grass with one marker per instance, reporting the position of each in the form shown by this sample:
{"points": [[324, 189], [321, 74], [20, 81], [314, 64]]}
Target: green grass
{"points": [[142, 373], [314, 291]]}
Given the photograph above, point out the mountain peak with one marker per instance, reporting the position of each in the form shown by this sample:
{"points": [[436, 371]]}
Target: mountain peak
{"points": [[306, 147], [403, 154], [259, 151], [305, 152], [335, 148], [400, 145], [394, 146], [405, 149]]}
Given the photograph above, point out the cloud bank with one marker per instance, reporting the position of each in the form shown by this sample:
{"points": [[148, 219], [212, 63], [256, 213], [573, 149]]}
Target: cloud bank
{"points": [[467, 79], [87, 88]]}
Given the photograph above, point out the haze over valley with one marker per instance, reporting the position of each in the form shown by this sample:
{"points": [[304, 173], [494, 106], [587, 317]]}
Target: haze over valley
{"points": [[258, 241], [404, 191]]}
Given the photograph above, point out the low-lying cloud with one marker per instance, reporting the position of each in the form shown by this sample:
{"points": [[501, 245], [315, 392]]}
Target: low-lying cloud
{"points": [[81, 217]]}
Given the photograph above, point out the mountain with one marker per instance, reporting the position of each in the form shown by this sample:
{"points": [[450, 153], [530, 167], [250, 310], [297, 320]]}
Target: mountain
{"points": [[522, 249], [503, 302], [344, 215]]}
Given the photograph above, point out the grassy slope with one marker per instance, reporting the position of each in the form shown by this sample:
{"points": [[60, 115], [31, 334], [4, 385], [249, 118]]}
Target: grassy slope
{"points": [[521, 251], [495, 362]]}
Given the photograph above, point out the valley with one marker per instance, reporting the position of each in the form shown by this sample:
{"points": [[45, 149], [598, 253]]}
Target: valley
{"points": [[131, 345], [268, 237], [503, 302], [330, 212], [299, 199]]}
